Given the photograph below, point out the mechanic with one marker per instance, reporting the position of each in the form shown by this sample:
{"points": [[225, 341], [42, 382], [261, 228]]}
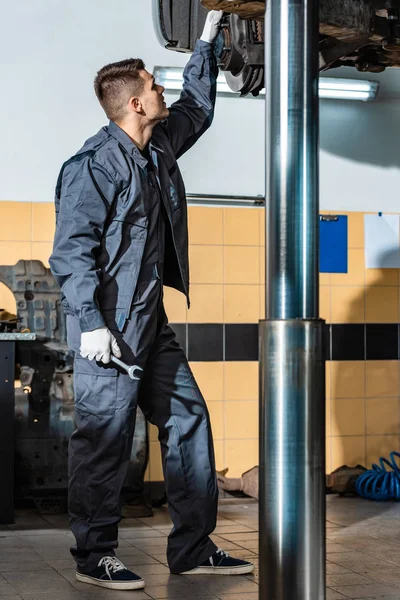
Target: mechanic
{"points": [[121, 235]]}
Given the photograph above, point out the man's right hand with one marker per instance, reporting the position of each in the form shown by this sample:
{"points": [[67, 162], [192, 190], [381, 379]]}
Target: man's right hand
{"points": [[212, 26], [99, 344]]}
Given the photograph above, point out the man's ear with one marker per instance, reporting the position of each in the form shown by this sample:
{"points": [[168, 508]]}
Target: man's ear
{"points": [[135, 104]]}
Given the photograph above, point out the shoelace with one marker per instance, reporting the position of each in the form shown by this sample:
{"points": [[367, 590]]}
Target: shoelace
{"points": [[222, 553], [111, 563]]}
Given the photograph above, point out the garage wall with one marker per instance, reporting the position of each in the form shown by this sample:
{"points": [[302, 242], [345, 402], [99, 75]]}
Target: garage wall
{"points": [[219, 332], [50, 53]]}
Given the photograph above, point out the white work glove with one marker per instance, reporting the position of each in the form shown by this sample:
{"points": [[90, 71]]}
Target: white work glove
{"points": [[99, 344], [211, 26]]}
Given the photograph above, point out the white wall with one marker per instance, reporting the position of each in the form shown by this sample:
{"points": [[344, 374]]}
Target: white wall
{"points": [[50, 54], [359, 158]]}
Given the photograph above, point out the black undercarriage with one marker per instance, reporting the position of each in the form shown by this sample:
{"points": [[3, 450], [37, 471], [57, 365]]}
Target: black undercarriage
{"points": [[364, 34]]}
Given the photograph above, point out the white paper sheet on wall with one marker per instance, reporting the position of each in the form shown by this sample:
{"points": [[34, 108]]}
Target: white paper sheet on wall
{"points": [[382, 241]]}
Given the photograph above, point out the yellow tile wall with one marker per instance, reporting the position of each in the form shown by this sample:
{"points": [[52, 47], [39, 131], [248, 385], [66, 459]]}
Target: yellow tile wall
{"points": [[26, 231], [227, 255]]}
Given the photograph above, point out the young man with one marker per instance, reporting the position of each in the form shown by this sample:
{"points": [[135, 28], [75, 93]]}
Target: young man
{"points": [[121, 234]]}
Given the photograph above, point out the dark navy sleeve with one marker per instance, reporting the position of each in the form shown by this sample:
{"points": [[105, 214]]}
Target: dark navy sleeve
{"points": [[192, 114], [82, 205]]}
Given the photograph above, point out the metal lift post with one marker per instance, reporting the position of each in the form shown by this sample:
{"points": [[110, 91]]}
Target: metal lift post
{"points": [[292, 357]]}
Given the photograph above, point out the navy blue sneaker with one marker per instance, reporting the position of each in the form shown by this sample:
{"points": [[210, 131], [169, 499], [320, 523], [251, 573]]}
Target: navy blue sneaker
{"points": [[111, 573], [220, 563]]}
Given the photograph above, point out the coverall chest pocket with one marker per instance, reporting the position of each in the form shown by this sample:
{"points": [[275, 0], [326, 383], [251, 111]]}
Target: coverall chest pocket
{"points": [[95, 387]]}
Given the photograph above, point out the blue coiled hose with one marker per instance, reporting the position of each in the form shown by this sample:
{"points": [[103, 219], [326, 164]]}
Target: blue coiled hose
{"points": [[380, 484]]}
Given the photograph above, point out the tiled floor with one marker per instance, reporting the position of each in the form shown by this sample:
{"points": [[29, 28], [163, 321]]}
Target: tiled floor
{"points": [[363, 552]]}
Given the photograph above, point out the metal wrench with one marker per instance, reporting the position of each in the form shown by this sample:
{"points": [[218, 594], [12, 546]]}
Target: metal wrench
{"points": [[129, 369]]}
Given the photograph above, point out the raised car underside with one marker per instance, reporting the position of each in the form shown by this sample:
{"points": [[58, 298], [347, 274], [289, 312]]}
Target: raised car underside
{"points": [[364, 34]]}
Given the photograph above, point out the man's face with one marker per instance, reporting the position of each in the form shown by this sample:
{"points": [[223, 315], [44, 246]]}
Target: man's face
{"points": [[152, 98]]}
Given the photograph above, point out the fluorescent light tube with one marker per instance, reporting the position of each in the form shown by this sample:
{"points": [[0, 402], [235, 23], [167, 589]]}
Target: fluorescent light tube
{"points": [[329, 87]]}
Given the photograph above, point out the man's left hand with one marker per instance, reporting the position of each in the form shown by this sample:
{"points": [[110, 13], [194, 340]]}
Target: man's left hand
{"points": [[211, 27]]}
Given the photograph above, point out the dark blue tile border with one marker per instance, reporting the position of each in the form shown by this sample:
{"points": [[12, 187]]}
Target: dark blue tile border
{"points": [[239, 341], [348, 342], [382, 342], [205, 342]]}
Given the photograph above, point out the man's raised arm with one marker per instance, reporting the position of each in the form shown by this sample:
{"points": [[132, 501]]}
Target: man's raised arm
{"points": [[192, 114]]}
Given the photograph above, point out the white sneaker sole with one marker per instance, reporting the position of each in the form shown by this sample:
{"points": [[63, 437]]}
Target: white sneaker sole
{"points": [[111, 585], [242, 570]]}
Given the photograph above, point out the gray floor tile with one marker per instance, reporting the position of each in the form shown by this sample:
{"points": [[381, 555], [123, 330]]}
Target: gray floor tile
{"points": [[224, 584], [386, 575], [65, 595], [46, 541], [332, 569], [132, 551], [333, 547], [60, 564], [147, 571], [11, 541], [153, 550], [158, 540], [347, 579], [346, 559], [240, 537], [160, 592], [243, 596], [143, 534], [160, 558], [232, 528], [35, 587], [141, 559], [31, 528], [32, 576], [165, 579], [6, 589], [252, 546], [96, 593], [197, 598], [69, 575], [224, 544], [364, 565], [165, 530], [332, 595], [59, 553], [25, 554], [15, 565], [46, 531], [364, 591], [148, 548]]}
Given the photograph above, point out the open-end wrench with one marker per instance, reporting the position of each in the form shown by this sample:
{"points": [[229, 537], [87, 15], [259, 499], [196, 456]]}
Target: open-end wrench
{"points": [[130, 370]]}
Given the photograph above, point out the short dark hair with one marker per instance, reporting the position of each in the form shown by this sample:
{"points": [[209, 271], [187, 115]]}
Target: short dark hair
{"points": [[116, 83]]}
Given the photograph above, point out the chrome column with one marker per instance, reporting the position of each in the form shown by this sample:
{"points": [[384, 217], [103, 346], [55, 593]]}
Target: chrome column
{"points": [[292, 368]]}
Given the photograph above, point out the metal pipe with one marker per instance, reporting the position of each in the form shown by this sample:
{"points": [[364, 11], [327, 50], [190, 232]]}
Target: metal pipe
{"points": [[292, 374], [223, 200], [292, 460], [291, 90]]}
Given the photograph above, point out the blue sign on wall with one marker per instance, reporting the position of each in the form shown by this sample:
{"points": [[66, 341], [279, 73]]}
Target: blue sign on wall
{"points": [[333, 244]]}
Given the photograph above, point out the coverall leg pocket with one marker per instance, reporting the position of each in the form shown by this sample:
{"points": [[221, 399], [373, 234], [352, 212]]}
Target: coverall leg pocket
{"points": [[95, 387]]}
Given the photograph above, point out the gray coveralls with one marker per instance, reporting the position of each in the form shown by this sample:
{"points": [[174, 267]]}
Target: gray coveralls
{"points": [[121, 234]]}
